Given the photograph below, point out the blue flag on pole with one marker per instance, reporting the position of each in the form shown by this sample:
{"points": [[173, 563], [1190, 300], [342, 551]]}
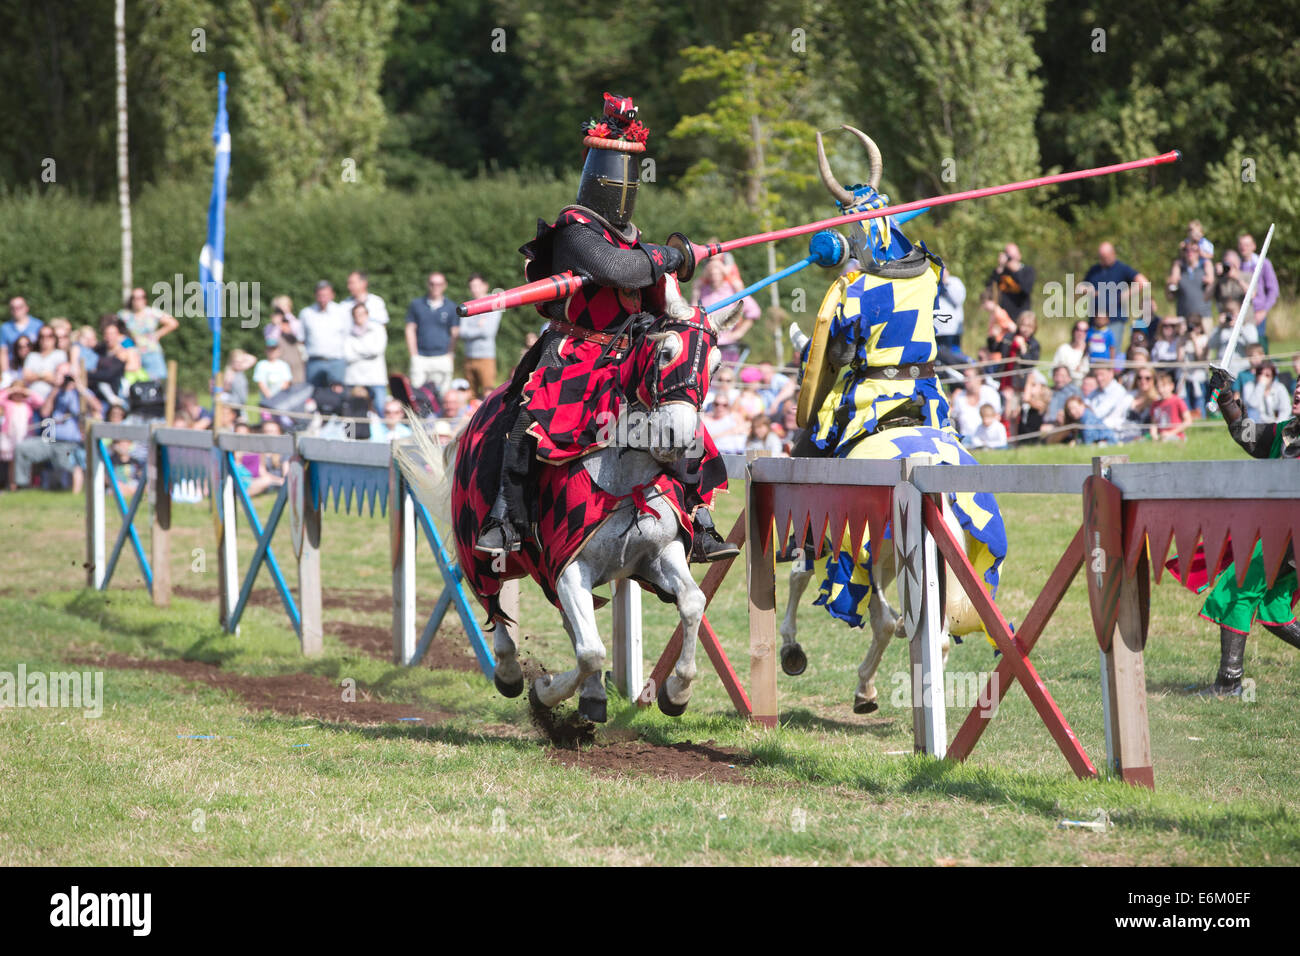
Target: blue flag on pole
{"points": [[212, 258]]}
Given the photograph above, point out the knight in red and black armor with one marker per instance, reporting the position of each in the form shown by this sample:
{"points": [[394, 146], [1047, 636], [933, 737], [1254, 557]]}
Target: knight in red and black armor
{"points": [[570, 376]]}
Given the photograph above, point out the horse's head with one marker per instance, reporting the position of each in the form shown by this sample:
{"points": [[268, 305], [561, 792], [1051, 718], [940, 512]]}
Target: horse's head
{"points": [[878, 240], [672, 365]]}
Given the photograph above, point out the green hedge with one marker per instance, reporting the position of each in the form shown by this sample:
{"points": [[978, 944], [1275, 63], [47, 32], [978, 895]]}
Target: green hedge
{"points": [[63, 255]]}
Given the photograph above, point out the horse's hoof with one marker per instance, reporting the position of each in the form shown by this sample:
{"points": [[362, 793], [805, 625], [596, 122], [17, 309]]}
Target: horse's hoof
{"points": [[509, 688], [534, 701], [592, 708], [667, 706], [863, 706], [793, 660]]}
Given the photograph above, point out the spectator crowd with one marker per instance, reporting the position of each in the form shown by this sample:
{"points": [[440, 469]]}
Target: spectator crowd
{"points": [[1127, 369]]}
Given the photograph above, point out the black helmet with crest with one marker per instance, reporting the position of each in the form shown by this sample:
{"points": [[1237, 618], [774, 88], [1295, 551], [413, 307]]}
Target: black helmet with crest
{"points": [[610, 173]]}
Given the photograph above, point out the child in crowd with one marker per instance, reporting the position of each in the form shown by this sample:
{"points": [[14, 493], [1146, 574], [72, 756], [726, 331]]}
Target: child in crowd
{"points": [[272, 374], [1195, 349], [1169, 416], [234, 379], [991, 433], [1024, 346], [762, 438], [1089, 430], [1101, 341]]}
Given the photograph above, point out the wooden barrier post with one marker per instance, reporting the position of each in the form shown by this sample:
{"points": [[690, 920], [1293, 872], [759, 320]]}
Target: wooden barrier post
{"points": [[309, 577], [160, 532], [170, 406], [96, 546], [627, 656], [1123, 672], [918, 582], [760, 576], [1128, 736], [227, 551], [401, 527]]}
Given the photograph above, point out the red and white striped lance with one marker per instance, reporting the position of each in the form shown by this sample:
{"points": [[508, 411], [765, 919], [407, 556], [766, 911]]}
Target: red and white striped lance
{"points": [[564, 284]]}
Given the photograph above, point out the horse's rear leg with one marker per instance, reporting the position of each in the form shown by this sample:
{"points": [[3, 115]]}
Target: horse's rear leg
{"points": [[574, 592], [793, 660], [884, 626]]}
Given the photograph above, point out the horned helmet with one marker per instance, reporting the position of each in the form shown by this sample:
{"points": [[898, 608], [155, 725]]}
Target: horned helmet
{"points": [[609, 172], [873, 240]]}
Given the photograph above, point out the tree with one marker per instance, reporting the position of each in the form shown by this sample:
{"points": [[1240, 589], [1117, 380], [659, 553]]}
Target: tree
{"points": [[307, 75], [949, 87], [752, 131], [1126, 77]]}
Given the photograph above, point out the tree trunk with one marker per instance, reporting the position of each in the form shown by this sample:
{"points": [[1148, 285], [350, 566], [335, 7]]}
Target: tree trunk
{"points": [[756, 134], [123, 169]]}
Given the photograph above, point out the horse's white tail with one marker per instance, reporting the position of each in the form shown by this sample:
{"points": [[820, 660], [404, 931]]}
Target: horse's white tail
{"points": [[427, 467]]}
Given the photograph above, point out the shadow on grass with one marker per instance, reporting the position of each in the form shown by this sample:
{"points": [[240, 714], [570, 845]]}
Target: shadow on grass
{"points": [[212, 645], [804, 719], [95, 607], [448, 733], [1180, 688], [1049, 797]]}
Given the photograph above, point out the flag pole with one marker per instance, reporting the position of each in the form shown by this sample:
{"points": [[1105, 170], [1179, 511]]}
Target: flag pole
{"points": [[212, 258]]}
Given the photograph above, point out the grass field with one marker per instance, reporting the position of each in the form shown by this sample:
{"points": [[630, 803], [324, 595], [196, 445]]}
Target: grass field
{"points": [[473, 783]]}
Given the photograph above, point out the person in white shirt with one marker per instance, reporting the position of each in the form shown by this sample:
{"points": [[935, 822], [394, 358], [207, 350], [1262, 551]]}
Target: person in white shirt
{"points": [[1266, 399], [966, 402], [728, 431], [1236, 363], [325, 329], [991, 433], [1111, 401], [478, 338], [272, 374], [359, 291], [364, 352], [949, 312], [1074, 353]]}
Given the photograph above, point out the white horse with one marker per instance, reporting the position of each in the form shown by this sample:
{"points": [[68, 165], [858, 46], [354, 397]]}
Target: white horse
{"points": [[960, 616], [886, 623], [629, 543]]}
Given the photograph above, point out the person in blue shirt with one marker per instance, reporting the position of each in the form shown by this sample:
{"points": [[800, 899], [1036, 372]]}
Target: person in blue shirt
{"points": [[1091, 431], [1112, 287], [21, 323], [58, 440], [1102, 344]]}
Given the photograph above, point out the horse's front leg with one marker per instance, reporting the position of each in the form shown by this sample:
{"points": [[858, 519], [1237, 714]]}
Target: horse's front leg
{"points": [[574, 592], [671, 572], [508, 675]]}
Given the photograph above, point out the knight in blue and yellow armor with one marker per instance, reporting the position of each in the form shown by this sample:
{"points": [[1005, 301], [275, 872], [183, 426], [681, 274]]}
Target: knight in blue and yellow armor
{"points": [[885, 401]]}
